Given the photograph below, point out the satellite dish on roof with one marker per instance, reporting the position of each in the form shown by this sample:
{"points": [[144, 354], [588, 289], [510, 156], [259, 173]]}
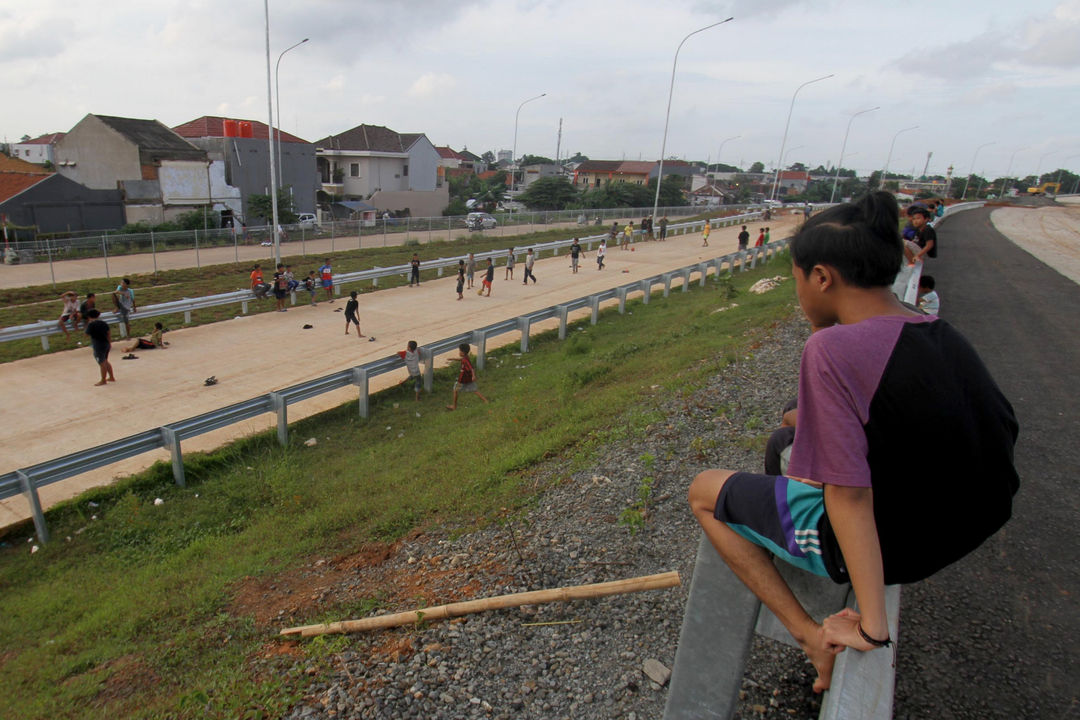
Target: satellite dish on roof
{"points": [[470, 203]]}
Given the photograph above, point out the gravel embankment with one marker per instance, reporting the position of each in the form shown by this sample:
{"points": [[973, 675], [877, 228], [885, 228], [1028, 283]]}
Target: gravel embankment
{"points": [[588, 663]]}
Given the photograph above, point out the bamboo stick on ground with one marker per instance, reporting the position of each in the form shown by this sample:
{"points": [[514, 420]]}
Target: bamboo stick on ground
{"points": [[535, 597]]}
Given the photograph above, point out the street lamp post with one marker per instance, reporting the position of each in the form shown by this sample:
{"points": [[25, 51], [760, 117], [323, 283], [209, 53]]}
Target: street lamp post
{"points": [[972, 170], [888, 158], [1061, 170], [1005, 182], [513, 158], [843, 146], [270, 141], [277, 94], [1039, 166], [776, 179], [723, 142], [667, 116]]}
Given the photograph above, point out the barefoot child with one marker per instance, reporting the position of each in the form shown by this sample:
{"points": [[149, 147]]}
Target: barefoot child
{"points": [[466, 381], [460, 278], [100, 343], [489, 277], [351, 316], [70, 312], [411, 356], [153, 343], [856, 505]]}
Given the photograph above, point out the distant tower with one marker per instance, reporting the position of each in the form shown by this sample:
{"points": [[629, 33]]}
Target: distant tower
{"points": [[927, 165], [558, 143], [948, 180]]}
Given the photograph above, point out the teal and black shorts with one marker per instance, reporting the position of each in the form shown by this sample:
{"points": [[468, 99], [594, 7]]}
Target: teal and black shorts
{"points": [[781, 515]]}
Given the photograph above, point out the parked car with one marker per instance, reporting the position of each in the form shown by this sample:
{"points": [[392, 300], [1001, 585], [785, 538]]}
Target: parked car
{"points": [[480, 221], [308, 221]]}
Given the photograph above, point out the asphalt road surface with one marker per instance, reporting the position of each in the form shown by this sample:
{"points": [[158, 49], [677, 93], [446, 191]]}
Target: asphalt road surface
{"points": [[995, 635]]}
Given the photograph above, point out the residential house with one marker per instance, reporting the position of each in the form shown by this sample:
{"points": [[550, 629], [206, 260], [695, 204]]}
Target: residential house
{"points": [[39, 151], [472, 161], [531, 173], [594, 173], [792, 182], [160, 174], [47, 202], [392, 171], [242, 150]]}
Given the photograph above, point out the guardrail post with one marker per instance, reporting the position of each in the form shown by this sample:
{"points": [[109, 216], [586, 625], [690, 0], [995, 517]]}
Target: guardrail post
{"points": [[667, 284], [187, 315], [753, 257], [30, 490], [646, 291], [360, 380], [621, 292], [703, 268], [563, 311], [44, 342], [742, 261], [523, 324], [686, 280], [440, 271], [282, 409], [594, 305], [243, 307], [337, 289], [172, 444], [479, 338], [429, 367]]}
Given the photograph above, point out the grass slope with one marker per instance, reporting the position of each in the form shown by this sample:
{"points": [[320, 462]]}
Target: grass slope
{"points": [[130, 613]]}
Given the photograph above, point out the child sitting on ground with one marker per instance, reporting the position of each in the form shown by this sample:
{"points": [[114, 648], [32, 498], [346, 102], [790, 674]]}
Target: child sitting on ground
{"points": [[929, 302], [153, 343], [855, 504]]}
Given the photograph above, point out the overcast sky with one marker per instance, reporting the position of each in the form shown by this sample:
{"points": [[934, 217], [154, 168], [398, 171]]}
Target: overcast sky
{"points": [[967, 73]]}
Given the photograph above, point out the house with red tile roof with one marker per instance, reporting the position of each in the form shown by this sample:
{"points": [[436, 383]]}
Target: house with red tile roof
{"points": [[39, 150], [594, 173], [241, 148]]}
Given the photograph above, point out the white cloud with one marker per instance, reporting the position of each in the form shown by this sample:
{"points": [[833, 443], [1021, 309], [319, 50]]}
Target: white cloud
{"points": [[431, 84]]}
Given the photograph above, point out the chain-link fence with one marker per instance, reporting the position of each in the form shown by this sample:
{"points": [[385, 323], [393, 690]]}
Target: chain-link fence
{"points": [[133, 253]]}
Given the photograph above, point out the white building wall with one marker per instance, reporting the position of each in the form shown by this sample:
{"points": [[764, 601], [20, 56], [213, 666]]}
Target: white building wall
{"points": [[34, 153], [423, 166]]}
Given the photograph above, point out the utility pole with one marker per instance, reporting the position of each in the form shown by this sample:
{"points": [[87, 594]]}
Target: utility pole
{"points": [[927, 165]]}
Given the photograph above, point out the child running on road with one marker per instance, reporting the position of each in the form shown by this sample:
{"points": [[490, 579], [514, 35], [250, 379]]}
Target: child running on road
{"points": [[705, 233], [600, 253], [326, 273], [509, 274]]}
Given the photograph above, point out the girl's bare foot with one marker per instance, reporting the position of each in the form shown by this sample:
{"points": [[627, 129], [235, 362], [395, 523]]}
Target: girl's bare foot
{"points": [[451, 407], [99, 383]]}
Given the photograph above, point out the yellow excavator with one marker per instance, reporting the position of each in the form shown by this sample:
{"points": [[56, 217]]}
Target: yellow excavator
{"points": [[1047, 188]]}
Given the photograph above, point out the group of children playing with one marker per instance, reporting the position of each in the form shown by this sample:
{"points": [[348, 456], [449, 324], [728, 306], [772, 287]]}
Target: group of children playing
{"points": [[285, 282]]}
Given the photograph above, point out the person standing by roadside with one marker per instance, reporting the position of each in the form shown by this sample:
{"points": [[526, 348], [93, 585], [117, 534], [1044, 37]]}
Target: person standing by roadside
{"points": [[705, 233], [100, 343], [575, 253], [411, 356], [530, 259], [766, 236], [281, 287], [414, 277], [326, 273], [600, 252], [124, 298], [70, 313], [489, 277], [744, 238], [760, 238], [663, 228], [509, 274], [460, 278], [352, 316], [627, 236], [470, 271]]}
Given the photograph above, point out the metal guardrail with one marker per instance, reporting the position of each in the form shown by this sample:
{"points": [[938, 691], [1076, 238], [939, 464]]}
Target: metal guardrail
{"points": [[43, 329], [26, 481]]}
